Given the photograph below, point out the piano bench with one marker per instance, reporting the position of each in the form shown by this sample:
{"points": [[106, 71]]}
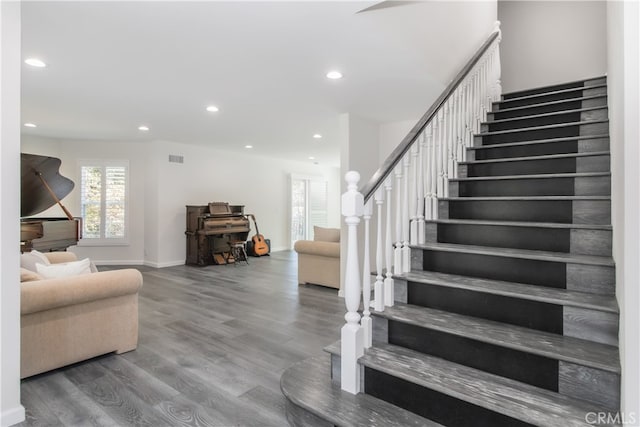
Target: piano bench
{"points": [[237, 251]]}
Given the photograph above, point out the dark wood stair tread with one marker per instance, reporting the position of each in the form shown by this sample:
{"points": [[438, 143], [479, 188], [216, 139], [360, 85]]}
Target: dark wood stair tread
{"points": [[552, 87], [553, 346], [502, 395], [536, 116], [521, 224], [544, 104], [534, 158], [308, 385], [518, 253], [533, 176], [604, 303], [535, 128], [536, 141], [554, 92]]}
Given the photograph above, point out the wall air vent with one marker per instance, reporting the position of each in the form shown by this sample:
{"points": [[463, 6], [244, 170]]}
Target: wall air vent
{"points": [[174, 158]]}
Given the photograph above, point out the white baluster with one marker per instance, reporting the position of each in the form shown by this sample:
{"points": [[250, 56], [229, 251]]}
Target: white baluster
{"points": [[445, 152], [492, 74], [496, 74], [455, 135], [433, 174], [420, 202], [451, 142], [413, 199], [461, 157], [366, 279], [488, 83], [378, 295], [406, 262], [352, 334], [388, 281], [441, 152], [397, 253], [468, 114], [483, 90], [498, 64], [476, 102]]}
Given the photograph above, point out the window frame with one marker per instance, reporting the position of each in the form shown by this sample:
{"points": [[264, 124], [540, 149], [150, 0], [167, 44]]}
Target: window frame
{"points": [[104, 164]]}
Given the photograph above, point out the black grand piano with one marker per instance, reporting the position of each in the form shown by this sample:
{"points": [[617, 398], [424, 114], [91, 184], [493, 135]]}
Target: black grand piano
{"points": [[42, 186]]}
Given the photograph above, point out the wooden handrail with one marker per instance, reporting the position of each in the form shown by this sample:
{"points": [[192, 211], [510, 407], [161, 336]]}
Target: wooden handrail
{"points": [[396, 155]]}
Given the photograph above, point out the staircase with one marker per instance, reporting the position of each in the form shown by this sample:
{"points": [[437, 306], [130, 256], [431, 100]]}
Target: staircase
{"points": [[508, 316]]}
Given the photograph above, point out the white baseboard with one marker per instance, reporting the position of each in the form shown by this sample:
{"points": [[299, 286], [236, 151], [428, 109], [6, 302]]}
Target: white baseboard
{"points": [[163, 264], [12, 416], [119, 262]]}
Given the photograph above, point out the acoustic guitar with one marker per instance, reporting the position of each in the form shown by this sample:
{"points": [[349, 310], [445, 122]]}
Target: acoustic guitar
{"points": [[260, 247]]}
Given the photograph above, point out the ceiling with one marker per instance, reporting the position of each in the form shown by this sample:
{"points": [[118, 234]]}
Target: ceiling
{"points": [[113, 66]]}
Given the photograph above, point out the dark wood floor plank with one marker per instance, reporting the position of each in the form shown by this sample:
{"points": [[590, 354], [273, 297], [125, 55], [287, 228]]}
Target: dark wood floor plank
{"points": [[213, 343], [56, 390], [37, 412], [272, 404]]}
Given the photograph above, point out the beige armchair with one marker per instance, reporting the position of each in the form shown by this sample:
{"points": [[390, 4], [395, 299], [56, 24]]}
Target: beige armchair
{"points": [[319, 259], [67, 320]]}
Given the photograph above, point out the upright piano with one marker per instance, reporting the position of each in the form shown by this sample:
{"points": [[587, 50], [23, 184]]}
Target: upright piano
{"points": [[210, 228], [42, 186]]}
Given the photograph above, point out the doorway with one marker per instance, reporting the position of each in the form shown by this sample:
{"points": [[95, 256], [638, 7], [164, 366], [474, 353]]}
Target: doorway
{"points": [[308, 206]]}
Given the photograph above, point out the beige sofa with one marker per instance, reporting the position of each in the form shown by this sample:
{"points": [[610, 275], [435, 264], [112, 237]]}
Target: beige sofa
{"points": [[319, 259], [67, 320]]}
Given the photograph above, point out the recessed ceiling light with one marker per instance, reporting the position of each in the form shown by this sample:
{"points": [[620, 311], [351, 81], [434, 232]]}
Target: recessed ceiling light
{"points": [[311, 158], [334, 75], [317, 136], [29, 125], [143, 128], [248, 146], [212, 109], [35, 62]]}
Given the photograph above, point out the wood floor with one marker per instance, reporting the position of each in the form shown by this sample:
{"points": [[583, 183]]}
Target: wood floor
{"points": [[213, 344]]}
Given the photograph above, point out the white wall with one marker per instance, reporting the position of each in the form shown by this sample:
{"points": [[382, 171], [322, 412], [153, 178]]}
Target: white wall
{"points": [[259, 183], [623, 21], [391, 134], [360, 140], [547, 42], [11, 411], [159, 192]]}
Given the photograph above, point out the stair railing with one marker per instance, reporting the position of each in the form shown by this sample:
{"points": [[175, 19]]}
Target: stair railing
{"points": [[421, 166]]}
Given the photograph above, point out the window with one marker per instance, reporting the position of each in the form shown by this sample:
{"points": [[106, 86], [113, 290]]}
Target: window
{"points": [[104, 202], [308, 206]]}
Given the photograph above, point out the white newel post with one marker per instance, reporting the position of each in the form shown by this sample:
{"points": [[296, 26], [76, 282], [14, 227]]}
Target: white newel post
{"points": [[366, 278], [352, 333], [378, 295], [388, 248]]}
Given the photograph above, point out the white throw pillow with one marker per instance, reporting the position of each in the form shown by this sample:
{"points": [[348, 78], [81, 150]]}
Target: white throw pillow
{"points": [[30, 259], [65, 269]]}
